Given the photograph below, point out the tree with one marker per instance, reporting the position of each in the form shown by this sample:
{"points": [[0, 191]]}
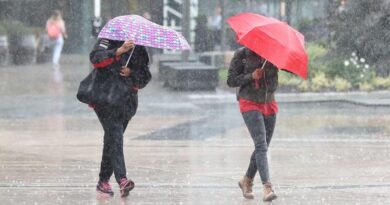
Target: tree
{"points": [[362, 27]]}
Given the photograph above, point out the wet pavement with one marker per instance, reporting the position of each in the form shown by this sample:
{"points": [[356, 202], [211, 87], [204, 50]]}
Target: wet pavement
{"points": [[188, 147]]}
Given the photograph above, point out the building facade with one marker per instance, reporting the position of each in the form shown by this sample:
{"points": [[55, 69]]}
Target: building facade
{"points": [[79, 14]]}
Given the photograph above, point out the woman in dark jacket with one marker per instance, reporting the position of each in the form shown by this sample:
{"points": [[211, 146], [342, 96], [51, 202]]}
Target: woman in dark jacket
{"points": [[110, 57], [257, 81]]}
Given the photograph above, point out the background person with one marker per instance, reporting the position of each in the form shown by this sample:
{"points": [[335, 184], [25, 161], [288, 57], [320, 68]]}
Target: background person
{"points": [[55, 27], [215, 24]]}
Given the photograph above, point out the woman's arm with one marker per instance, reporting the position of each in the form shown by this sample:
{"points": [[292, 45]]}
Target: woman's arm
{"points": [[142, 76], [63, 29], [101, 56], [236, 75]]}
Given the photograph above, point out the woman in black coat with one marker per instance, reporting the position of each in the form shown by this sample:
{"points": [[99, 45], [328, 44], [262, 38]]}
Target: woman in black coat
{"points": [[110, 58]]}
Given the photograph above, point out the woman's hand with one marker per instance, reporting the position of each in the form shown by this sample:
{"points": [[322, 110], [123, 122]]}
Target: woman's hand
{"points": [[257, 74], [126, 46], [125, 71]]}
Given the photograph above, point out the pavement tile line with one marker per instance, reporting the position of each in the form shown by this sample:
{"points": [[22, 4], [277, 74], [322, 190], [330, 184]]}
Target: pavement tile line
{"points": [[197, 186], [349, 98]]}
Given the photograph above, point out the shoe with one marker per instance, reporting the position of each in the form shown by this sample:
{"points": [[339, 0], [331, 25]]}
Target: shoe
{"points": [[269, 193], [104, 187], [125, 185], [246, 185]]}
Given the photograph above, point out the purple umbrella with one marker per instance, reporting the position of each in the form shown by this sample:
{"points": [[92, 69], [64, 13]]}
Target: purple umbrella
{"points": [[143, 32]]}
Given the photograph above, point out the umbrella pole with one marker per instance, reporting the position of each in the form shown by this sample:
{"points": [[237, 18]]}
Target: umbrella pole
{"points": [[262, 67], [128, 60], [257, 81]]}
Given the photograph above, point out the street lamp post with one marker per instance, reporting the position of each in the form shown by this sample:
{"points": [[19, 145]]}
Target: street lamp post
{"points": [[97, 8]]}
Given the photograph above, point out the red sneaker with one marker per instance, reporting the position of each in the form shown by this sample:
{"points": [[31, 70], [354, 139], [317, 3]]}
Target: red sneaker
{"points": [[104, 187], [126, 185]]}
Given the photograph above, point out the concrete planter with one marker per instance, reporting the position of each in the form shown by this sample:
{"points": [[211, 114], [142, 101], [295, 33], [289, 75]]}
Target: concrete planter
{"points": [[44, 49], [191, 76], [22, 49]]}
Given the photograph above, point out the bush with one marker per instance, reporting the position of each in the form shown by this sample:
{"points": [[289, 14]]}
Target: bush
{"points": [[381, 83], [365, 86], [313, 29], [316, 53], [288, 79], [304, 86], [341, 84], [319, 82], [354, 69], [223, 74], [363, 26], [16, 28]]}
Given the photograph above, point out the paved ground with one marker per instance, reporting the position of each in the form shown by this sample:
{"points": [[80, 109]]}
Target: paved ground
{"points": [[188, 147]]}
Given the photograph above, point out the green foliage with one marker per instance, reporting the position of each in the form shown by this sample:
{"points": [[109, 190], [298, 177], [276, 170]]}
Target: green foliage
{"points": [[16, 28], [320, 82], [341, 84], [316, 53], [223, 74], [314, 30], [382, 83], [288, 79], [366, 86], [363, 27], [353, 69], [304, 86]]}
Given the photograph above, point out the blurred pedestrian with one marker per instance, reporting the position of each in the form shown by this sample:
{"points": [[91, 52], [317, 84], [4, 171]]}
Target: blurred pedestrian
{"points": [[257, 81], [215, 25], [55, 27], [110, 57], [97, 25]]}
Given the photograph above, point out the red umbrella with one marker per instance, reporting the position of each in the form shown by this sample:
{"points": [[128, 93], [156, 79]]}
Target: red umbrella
{"points": [[273, 40]]}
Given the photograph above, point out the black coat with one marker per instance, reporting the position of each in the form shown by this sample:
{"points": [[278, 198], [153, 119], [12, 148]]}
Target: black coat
{"points": [[104, 59]]}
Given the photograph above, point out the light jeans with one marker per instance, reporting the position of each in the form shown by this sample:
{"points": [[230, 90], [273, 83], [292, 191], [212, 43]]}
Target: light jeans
{"points": [[58, 44]]}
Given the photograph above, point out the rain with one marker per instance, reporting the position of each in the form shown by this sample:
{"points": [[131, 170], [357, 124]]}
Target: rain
{"points": [[190, 100]]}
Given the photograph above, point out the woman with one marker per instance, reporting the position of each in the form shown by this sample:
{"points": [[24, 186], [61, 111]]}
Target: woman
{"points": [[56, 31], [257, 81], [109, 57]]}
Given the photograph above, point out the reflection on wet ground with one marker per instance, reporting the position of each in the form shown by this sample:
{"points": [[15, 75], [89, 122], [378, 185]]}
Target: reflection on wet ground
{"points": [[321, 119], [184, 147]]}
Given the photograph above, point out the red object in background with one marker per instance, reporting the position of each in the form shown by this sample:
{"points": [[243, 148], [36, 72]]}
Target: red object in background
{"points": [[273, 40]]}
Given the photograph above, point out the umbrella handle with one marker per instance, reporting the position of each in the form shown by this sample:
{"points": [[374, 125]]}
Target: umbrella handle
{"points": [[131, 54], [257, 81]]}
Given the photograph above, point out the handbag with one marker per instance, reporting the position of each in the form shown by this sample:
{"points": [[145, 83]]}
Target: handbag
{"points": [[103, 89]]}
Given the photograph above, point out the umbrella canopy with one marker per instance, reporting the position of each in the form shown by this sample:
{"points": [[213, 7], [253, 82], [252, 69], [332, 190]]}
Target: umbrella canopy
{"points": [[143, 32], [273, 40]]}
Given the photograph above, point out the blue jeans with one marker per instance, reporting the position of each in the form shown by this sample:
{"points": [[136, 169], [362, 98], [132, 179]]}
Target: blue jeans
{"points": [[261, 129], [58, 44]]}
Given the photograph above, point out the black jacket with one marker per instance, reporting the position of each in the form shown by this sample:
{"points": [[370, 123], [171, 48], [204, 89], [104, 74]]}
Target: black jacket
{"points": [[103, 57], [241, 67]]}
